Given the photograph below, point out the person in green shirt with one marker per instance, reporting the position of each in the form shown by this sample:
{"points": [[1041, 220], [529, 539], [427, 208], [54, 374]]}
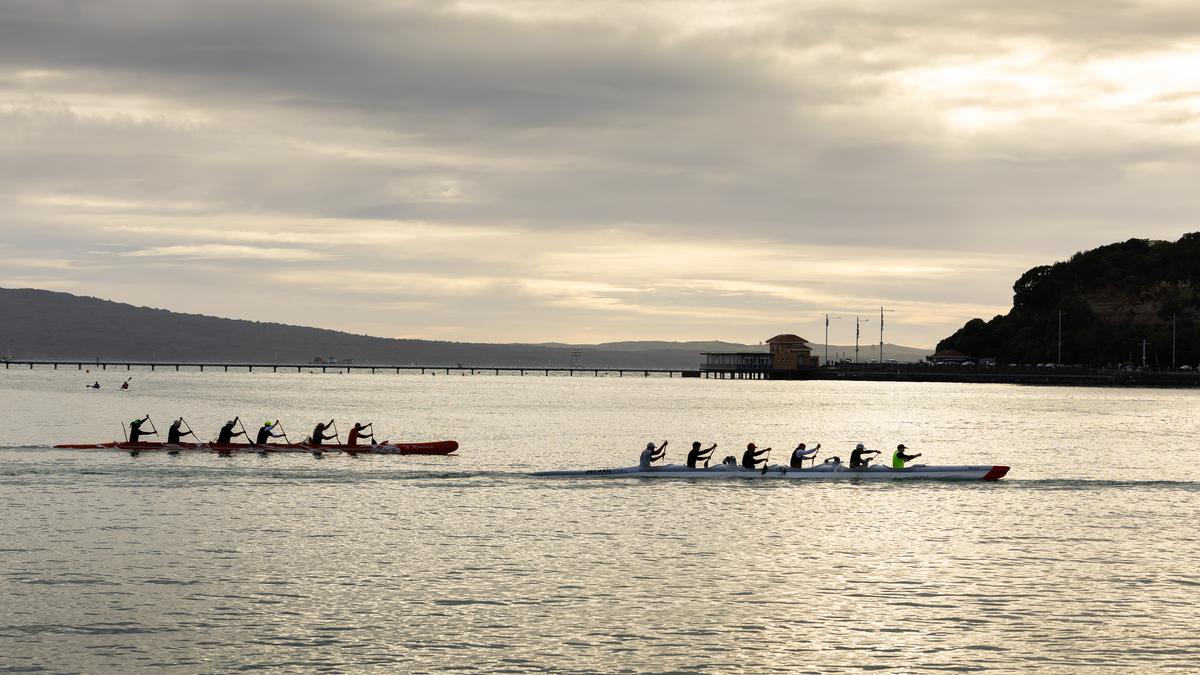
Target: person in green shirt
{"points": [[135, 430], [899, 458]]}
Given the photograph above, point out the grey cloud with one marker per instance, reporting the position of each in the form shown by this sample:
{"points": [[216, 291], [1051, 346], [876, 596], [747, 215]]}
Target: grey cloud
{"points": [[791, 130], [384, 64]]}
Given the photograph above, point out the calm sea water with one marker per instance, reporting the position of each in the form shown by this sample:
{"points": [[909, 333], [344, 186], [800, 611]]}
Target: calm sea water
{"points": [[1086, 557]]}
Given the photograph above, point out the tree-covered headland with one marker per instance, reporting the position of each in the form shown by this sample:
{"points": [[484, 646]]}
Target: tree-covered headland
{"points": [[1111, 298]]}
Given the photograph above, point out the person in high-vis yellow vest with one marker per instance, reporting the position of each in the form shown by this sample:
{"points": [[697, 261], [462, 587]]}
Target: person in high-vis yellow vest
{"points": [[899, 458]]}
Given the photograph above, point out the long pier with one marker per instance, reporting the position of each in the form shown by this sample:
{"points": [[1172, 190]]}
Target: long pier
{"points": [[1062, 376], [201, 366]]}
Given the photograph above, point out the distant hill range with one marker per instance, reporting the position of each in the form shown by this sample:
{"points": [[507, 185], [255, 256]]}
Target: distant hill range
{"points": [[38, 324], [1110, 298]]}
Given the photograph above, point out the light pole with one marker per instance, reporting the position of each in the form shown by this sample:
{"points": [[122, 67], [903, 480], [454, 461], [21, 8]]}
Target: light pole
{"points": [[857, 331], [1060, 316], [881, 311], [827, 318], [1172, 342]]}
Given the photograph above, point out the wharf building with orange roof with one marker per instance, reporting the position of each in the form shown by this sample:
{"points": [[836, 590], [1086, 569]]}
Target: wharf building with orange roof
{"points": [[789, 357]]}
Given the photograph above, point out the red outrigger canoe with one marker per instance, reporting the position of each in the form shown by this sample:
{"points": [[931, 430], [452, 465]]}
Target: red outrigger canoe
{"points": [[386, 448]]}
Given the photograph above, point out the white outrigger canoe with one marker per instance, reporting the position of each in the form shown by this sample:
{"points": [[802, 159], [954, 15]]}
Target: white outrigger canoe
{"points": [[776, 471]]}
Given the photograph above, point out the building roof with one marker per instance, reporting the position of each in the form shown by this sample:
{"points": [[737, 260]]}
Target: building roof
{"points": [[786, 338]]}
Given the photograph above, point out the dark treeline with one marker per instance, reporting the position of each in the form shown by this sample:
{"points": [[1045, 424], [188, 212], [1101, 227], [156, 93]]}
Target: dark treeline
{"points": [[1111, 298]]}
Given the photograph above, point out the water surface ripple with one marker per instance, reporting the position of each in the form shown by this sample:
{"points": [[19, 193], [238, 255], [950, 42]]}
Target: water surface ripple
{"points": [[1085, 559]]}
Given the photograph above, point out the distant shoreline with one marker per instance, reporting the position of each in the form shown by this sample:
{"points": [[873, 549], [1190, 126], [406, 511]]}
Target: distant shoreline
{"points": [[1026, 375], [1044, 376]]}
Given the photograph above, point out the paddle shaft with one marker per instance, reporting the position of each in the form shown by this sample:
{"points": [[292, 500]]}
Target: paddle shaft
{"points": [[244, 432], [285, 438]]}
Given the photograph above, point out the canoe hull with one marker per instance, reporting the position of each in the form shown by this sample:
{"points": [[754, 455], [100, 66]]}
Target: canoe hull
{"points": [[776, 472], [388, 448]]}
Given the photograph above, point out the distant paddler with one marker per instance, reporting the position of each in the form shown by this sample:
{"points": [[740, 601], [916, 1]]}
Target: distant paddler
{"points": [[696, 455], [176, 432], [652, 454], [356, 432], [266, 432], [135, 430], [94, 385], [802, 454], [318, 434], [900, 458], [227, 434], [750, 458], [857, 461]]}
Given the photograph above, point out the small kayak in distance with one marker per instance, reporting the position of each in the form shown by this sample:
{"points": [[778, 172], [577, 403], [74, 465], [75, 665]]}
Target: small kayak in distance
{"points": [[386, 448], [776, 472]]}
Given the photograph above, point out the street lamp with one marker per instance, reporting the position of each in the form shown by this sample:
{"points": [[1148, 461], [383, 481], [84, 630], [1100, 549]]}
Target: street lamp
{"points": [[827, 318], [1060, 316], [1172, 342], [857, 331], [881, 311]]}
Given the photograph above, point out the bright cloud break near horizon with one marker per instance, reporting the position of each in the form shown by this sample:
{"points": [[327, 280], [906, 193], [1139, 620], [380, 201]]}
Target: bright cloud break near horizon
{"points": [[525, 171]]}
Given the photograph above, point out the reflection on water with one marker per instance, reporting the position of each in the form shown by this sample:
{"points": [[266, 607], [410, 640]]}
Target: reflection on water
{"points": [[1086, 557]]}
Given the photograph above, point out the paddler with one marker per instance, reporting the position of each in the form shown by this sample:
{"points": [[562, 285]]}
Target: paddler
{"points": [[318, 434], [750, 458], [856, 457], [96, 384], [652, 454], [135, 429], [696, 455], [356, 432], [801, 454], [226, 434], [266, 433], [176, 432], [900, 458]]}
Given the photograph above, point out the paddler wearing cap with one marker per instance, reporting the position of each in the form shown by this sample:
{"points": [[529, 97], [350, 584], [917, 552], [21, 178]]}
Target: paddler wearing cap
{"points": [[750, 458], [135, 429], [899, 458], [176, 432], [266, 432], [318, 434], [226, 434], [857, 461], [652, 454], [802, 453]]}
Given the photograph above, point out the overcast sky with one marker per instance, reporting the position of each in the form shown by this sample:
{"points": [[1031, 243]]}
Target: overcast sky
{"points": [[588, 171]]}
